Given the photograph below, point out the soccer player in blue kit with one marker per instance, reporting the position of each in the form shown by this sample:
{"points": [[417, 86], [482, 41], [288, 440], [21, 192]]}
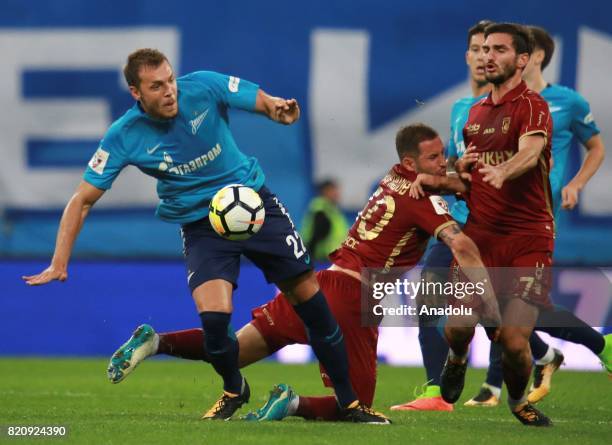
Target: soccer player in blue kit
{"points": [[178, 132]]}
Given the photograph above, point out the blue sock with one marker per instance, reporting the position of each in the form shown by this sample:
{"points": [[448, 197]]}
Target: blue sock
{"points": [[433, 347], [495, 373], [538, 346], [561, 323], [221, 347], [327, 343]]}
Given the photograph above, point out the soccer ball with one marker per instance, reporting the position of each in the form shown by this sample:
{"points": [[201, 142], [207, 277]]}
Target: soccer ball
{"points": [[236, 212]]}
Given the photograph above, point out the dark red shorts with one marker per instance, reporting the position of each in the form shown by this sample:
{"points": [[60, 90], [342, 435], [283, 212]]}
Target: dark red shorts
{"points": [[519, 266], [280, 326]]}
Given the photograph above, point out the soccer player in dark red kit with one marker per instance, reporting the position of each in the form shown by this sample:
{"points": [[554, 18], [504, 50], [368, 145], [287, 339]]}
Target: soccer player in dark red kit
{"points": [[390, 232], [511, 217]]}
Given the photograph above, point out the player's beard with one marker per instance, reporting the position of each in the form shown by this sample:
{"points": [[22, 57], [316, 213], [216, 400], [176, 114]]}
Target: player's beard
{"points": [[155, 109], [507, 72]]}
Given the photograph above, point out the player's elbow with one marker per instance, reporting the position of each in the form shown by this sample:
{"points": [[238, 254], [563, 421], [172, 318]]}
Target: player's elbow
{"points": [[85, 196], [78, 205], [82, 201], [533, 156], [532, 162], [597, 149]]}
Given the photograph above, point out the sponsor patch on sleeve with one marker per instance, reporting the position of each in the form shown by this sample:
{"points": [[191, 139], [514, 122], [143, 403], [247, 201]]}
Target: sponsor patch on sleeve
{"points": [[439, 204], [233, 84], [99, 160], [588, 118]]}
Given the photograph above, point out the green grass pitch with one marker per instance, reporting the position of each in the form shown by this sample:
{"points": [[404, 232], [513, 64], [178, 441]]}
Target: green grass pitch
{"points": [[162, 400]]}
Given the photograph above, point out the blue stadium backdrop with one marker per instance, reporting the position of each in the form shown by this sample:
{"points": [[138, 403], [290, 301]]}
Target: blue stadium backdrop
{"points": [[359, 69]]}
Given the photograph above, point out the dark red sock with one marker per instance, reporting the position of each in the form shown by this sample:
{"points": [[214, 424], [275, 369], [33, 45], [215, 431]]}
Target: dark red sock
{"points": [[187, 344], [318, 408]]}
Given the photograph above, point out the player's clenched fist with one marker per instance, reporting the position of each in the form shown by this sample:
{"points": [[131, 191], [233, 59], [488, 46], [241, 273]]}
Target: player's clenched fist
{"points": [[286, 111], [569, 195]]}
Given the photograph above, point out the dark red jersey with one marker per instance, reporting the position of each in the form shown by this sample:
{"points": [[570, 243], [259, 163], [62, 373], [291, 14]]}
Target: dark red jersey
{"points": [[393, 228], [522, 205]]}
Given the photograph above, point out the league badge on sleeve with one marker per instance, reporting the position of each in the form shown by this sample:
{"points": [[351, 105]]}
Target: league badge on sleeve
{"points": [[99, 160], [233, 84], [439, 204]]}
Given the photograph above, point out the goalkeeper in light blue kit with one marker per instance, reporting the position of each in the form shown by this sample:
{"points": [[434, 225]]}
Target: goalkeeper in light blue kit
{"points": [[572, 118], [178, 132]]}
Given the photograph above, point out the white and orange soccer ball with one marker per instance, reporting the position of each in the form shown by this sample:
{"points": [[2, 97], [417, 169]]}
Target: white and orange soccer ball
{"points": [[236, 212]]}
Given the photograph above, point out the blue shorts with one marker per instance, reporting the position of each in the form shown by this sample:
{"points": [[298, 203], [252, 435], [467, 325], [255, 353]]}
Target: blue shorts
{"points": [[439, 256], [277, 249]]}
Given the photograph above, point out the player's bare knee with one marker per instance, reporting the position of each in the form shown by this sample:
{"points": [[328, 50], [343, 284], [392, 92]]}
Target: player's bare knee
{"points": [[213, 296], [253, 346], [513, 342], [458, 334], [301, 288]]}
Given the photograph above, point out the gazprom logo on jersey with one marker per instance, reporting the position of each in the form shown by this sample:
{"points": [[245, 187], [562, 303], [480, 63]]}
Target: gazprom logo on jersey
{"points": [[189, 167]]}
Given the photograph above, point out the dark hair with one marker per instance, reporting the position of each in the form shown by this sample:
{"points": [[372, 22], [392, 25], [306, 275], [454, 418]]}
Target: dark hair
{"points": [[326, 183], [542, 40], [139, 58], [522, 40], [408, 138], [478, 28]]}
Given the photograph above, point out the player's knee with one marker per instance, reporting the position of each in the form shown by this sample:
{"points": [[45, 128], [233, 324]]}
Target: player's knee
{"points": [[514, 343], [458, 333], [300, 288], [216, 331]]}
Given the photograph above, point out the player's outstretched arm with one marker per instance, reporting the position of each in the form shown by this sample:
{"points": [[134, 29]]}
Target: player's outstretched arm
{"points": [[529, 150], [592, 161], [74, 215], [468, 257], [284, 111], [444, 184]]}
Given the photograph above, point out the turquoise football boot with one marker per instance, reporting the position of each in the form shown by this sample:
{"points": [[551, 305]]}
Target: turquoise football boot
{"points": [[277, 407], [142, 344]]}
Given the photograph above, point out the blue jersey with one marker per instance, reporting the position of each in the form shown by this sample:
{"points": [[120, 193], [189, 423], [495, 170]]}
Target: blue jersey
{"points": [[571, 117], [192, 155], [456, 146]]}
